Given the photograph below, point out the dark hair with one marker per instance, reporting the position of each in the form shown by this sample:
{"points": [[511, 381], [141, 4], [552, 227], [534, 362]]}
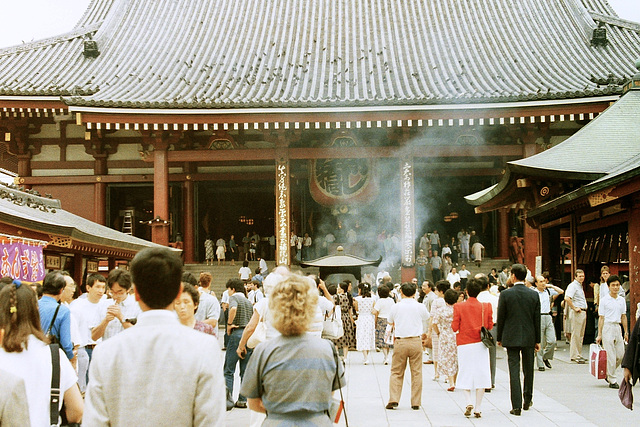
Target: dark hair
{"points": [[345, 287], [121, 277], [245, 263], [236, 284], [519, 270], [408, 289], [383, 292], [205, 279], [484, 282], [451, 296], [156, 273], [365, 290], [332, 289], [188, 288], [456, 286], [53, 283], [19, 317], [474, 286], [443, 285], [190, 278], [614, 278], [257, 270], [95, 277]]}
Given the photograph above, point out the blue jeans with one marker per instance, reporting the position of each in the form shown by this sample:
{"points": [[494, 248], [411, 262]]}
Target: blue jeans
{"points": [[421, 274], [231, 359]]}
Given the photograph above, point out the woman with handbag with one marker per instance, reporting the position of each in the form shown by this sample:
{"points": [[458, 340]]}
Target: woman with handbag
{"points": [[474, 369], [25, 353], [308, 365], [448, 357], [345, 301]]}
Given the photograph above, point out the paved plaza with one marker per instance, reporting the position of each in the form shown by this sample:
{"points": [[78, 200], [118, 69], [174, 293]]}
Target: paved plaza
{"points": [[566, 395]]}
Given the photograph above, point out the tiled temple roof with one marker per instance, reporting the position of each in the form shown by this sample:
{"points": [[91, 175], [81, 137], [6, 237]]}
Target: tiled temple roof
{"points": [[325, 53]]}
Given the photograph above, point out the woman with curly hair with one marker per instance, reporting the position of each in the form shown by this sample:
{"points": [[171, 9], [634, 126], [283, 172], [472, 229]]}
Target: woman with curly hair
{"points": [[25, 353], [306, 364]]}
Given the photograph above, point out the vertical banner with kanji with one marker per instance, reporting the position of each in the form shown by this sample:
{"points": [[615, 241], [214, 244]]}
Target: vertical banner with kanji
{"points": [[21, 260]]}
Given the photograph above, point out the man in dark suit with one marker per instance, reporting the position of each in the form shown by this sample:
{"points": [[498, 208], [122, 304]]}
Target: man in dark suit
{"points": [[519, 332]]}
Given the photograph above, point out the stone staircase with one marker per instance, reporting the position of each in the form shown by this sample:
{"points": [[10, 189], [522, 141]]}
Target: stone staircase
{"points": [[223, 273]]}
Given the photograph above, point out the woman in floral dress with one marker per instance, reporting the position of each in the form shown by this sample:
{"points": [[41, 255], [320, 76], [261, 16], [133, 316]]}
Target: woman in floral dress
{"points": [[448, 351], [441, 287], [366, 323], [345, 301]]}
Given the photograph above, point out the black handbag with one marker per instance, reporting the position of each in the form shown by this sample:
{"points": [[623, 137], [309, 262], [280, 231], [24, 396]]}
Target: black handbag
{"points": [[485, 335], [54, 411]]}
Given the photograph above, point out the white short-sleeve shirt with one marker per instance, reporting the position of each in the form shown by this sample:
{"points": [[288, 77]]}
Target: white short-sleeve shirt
{"points": [[612, 309]]}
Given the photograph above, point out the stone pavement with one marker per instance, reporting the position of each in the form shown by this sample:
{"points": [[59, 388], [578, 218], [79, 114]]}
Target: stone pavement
{"points": [[566, 395]]}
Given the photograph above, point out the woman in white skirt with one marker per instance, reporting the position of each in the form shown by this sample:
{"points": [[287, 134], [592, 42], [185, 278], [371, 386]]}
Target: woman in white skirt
{"points": [[366, 323], [474, 371]]}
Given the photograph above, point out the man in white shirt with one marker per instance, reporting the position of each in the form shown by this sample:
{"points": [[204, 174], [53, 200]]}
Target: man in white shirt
{"points": [[264, 269], [464, 276], [612, 311], [486, 296], [120, 312], [453, 277], [409, 319], [576, 301], [87, 311], [547, 294], [159, 372]]}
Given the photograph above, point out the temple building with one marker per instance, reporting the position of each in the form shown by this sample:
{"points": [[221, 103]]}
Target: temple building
{"points": [[583, 195], [177, 121]]}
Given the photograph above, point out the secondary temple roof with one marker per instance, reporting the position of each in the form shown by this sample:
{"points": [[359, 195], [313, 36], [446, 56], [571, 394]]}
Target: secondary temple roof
{"points": [[325, 53]]}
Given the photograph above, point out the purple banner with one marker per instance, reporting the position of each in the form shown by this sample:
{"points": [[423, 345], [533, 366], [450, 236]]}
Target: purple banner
{"points": [[22, 261]]}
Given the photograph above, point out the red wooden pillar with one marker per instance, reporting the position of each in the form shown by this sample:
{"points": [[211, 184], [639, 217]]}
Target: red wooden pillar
{"points": [[111, 263], [503, 233], [100, 201], [634, 256], [77, 269], [531, 246], [189, 230], [160, 225]]}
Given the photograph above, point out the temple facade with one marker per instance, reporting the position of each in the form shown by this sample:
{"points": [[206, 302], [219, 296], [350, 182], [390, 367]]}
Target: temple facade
{"points": [[178, 121]]}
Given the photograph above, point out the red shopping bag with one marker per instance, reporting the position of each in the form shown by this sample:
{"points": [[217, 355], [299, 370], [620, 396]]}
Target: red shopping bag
{"points": [[598, 361]]}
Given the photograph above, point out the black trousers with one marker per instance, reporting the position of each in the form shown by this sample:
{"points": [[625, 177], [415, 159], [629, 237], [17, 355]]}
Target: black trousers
{"points": [[517, 393]]}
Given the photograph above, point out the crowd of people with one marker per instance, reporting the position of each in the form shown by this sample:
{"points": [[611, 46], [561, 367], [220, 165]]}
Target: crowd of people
{"points": [[128, 350]]}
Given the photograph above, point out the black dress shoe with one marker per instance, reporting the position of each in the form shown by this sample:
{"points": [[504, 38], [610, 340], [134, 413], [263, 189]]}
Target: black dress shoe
{"points": [[527, 405], [415, 408], [547, 363], [391, 405], [487, 390], [516, 411], [614, 385], [241, 405], [541, 369]]}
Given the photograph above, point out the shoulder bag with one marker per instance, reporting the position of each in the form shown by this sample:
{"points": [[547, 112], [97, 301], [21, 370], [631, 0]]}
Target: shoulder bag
{"points": [[259, 335], [53, 339], [332, 327], [485, 335], [54, 411]]}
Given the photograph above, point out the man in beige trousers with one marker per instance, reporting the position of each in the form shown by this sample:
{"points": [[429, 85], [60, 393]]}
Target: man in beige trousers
{"points": [[409, 319]]}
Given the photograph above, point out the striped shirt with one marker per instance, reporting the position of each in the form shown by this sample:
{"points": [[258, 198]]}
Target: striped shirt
{"points": [[244, 309]]}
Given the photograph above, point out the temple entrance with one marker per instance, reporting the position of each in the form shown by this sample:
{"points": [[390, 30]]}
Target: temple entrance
{"points": [[224, 208]]}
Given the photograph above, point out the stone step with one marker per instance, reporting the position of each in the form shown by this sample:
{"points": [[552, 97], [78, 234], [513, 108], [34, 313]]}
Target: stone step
{"points": [[222, 273]]}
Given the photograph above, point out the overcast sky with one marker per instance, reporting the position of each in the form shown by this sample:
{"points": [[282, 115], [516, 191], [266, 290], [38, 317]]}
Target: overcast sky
{"points": [[27, 20]]}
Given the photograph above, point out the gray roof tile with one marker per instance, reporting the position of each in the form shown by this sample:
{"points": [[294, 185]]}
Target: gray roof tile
{"points": [[284, 53]]}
